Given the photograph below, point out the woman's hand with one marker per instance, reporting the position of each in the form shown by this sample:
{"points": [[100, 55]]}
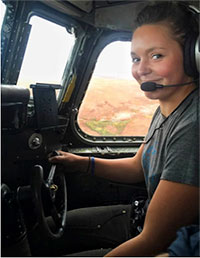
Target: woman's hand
{"points": [[71, 161]]}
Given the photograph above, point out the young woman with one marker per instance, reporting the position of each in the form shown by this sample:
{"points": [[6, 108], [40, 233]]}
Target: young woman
{"points": [[168, 161]]}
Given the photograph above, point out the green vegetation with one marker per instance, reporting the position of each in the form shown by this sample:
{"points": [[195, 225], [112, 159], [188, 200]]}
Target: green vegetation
{"points": [[107, 128]]}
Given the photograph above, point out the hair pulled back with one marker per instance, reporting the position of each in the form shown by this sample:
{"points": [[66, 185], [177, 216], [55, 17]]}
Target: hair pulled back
{"points": [[176, 15]]}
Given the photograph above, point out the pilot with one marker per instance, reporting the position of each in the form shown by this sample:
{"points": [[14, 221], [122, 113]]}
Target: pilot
{"points": [[163, 63]]}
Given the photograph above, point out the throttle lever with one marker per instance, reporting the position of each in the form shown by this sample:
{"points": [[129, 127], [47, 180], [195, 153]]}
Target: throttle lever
{"points": [[51, 174], [53, 168]]}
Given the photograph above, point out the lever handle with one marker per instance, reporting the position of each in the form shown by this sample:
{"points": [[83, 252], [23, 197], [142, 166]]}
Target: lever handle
{"points": [[53, 167]]}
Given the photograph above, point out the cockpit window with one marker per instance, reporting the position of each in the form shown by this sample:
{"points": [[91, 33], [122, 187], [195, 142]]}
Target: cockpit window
{"points": [[3, 10], [114, 105], [47, 52]]}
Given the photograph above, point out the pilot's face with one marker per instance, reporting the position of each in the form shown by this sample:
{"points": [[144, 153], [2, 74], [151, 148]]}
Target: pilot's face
{"points": [[157, 57]]}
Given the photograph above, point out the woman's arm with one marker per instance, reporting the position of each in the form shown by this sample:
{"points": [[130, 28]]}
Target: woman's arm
{"points": [[173, 205], [125, 170]]}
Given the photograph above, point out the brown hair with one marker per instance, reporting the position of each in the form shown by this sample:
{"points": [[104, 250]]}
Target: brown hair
{"points": [[181, 20]]}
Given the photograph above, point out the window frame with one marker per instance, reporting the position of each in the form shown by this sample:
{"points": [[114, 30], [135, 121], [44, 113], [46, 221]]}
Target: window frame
{"points": [[45, 81], [17, 18], [116, 141]]}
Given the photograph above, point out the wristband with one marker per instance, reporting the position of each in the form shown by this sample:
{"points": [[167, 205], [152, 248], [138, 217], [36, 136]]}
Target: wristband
{"points": [[92, 165]]}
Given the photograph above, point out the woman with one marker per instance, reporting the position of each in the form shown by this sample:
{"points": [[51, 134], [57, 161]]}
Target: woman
{"points": [[168, 161]]}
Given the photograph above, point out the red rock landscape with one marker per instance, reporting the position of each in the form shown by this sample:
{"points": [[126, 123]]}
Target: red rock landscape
{"points": [[115, 107]]}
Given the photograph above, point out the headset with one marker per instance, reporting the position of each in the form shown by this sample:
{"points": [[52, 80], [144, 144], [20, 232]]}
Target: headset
{"points": [[191, 51]]}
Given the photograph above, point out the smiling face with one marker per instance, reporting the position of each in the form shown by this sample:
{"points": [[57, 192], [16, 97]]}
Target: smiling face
{"points": [[157, 57]]}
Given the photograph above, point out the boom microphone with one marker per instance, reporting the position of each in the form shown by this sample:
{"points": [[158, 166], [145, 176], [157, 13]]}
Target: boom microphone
{"points": [[152, 86]]}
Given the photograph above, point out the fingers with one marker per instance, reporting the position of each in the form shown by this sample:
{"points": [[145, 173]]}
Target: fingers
{"points": [[63, 158], [58, 158], [69, 160], [62, 153]]}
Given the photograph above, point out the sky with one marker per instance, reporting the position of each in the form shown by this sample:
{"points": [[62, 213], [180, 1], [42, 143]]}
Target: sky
{"points": [[3, 8], [115, 60]]}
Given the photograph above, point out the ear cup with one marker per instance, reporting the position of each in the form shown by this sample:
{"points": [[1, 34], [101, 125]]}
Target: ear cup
{"points": [[191, 55]]}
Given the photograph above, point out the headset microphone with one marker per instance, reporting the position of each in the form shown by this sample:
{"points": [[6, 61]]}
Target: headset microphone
{"points": [[152, 86]]}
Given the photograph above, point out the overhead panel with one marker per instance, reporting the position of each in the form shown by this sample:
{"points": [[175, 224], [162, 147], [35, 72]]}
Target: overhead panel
{"points": [[112, 14], [64, 7], [119, 17], [84, 5]]}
